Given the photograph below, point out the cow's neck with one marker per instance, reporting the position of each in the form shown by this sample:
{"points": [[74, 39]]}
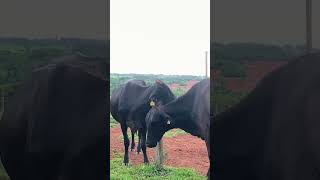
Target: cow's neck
{"points": [[181, 112]]}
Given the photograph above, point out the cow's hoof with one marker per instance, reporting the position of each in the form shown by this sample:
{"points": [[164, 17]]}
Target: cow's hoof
{"points": [[126, 162]]}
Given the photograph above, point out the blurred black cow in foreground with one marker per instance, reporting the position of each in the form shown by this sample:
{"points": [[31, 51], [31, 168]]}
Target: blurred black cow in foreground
{"points": [[273, 133], [190, 112], [54, 126], [129, 105]]}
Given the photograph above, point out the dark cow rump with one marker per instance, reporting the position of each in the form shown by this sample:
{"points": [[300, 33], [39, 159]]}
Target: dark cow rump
{"points": [[53, 124], [95, 66], [273, 133]]}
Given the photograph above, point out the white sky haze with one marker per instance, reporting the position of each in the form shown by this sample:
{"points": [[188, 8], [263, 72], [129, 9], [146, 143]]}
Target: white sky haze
{"points": [[159, 36]]}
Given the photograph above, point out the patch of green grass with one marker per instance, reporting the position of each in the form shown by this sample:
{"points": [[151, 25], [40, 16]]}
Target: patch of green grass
{"points": [[179, 92], [224, 99], [136, 137], [118, 171], [3, 173], [174, 132], [113, 122]]}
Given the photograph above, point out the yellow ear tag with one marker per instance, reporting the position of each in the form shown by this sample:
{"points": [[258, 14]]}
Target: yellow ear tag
{"points": [[152, 104]]}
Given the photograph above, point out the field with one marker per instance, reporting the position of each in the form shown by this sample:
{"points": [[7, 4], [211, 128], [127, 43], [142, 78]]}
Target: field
{"points": [[148, 171], [180, 147], [19, 56], [180, 150]]}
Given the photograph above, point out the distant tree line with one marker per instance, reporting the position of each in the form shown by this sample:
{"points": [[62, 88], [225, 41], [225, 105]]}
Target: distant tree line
{"points": [[253, 51], [231, 58], [18, 56], [117, 79]]}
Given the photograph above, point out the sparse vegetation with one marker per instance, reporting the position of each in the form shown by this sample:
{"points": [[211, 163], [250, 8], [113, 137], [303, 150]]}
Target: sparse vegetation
{"points": [[174, 132], [113, 122], [3, 174], [18, 56], [225, 99], [118, 171]]}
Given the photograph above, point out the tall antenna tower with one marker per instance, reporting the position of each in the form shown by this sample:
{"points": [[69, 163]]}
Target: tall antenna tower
{"points": [[206, 65]]}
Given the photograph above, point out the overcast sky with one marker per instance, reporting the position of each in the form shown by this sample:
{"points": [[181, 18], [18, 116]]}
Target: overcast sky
{"points": [[161, 20], [46, 18], [159, 37], [272, 21]]}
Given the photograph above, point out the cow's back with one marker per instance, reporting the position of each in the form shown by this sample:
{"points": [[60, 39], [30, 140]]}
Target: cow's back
{"points": [[292, 144], [114, 102], [201, 106], [62, 118], [273, 133], [125, 97]]}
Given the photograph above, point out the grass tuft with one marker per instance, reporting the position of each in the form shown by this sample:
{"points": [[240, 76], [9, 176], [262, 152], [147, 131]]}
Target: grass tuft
{"points": [[113, 122], [174, 133], [3, 173], [118, 171]]}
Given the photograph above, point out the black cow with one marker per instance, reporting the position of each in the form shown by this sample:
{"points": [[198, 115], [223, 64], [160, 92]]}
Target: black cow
{"points": [[129, 105], [54, 126], [190, 112], [273, 133], [114, 101]]}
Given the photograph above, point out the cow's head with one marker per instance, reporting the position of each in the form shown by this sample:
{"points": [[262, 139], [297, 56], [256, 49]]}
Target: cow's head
{"points": [[158, 122], [160, 94]]}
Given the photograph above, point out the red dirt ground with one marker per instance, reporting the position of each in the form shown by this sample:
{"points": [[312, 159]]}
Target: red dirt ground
{"points": [[183, 150]]}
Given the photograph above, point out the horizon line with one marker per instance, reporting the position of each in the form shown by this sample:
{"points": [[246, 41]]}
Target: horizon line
{"points": [[157, 74]]}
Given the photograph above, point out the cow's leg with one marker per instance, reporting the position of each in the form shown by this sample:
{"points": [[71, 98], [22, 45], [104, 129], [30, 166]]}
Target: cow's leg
{"points": [[143, 147], [133, 144], [139, 142], [126, 143]]}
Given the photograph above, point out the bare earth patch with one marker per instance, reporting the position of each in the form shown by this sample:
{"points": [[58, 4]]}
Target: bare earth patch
{"points": [[183, 150]]}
